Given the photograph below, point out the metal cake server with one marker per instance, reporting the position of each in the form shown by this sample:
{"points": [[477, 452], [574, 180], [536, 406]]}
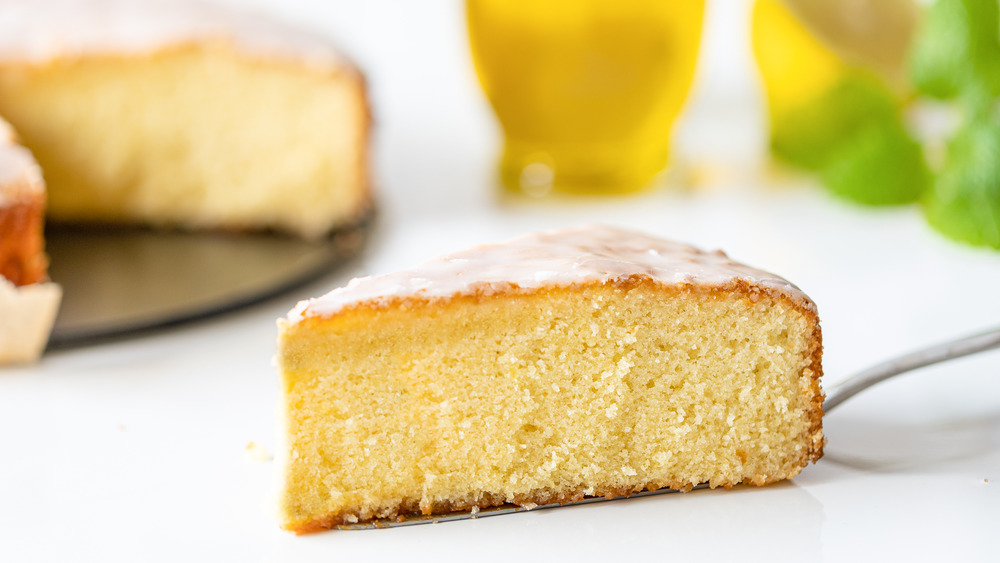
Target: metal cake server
{"points": [[837, 394], [936, 354]]}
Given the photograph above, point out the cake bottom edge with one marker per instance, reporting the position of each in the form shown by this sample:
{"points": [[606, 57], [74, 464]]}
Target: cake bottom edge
{"points": [[386, 515]]}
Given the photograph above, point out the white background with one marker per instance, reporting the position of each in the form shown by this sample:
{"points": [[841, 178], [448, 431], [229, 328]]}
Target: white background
{"points": [[136, 450]]}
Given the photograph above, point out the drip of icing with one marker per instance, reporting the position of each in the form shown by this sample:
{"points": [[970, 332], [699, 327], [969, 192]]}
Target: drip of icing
{"points": [[19, 173], [594, 253], [42, 30]]}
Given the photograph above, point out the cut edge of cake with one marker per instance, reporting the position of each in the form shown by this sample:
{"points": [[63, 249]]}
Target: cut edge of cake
{"points": [[27, 314], [28, 302], [56, 36]]}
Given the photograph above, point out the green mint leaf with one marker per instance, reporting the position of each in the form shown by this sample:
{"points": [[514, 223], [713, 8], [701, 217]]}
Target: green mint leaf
{"points": [[964, 201], [878, 164], [957, 47], [811, 135], [853, 135]]}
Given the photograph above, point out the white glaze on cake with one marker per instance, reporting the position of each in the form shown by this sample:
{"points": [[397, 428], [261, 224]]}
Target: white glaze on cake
{"points": [[590, 254], [19, 173], [37, 31]]}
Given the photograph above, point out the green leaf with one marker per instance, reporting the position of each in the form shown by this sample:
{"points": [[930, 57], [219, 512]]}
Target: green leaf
{"points": [[957, 49], [854, 136], [811, 135], [964, 202], [879, 164]]}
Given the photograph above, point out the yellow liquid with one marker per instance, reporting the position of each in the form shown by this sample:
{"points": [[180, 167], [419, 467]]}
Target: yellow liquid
{"points": [[585, 90]]}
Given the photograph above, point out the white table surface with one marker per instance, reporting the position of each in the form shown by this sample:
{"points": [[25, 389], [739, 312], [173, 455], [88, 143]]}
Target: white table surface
{"points": [[136, 450]]}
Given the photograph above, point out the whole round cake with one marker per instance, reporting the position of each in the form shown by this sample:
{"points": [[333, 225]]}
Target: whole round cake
{"points": [[177, 114]]}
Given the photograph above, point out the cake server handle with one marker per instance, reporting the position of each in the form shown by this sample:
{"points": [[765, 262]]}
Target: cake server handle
{"points": [[924, 357]]}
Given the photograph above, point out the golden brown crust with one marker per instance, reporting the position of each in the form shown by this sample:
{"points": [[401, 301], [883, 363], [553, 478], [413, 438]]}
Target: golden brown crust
{"points": [[413, 507], [809, 378], [815, 390], [22, 258]]}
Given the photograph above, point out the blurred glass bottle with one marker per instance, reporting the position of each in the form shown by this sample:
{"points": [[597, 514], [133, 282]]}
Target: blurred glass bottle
{"points": [[586, 91]]}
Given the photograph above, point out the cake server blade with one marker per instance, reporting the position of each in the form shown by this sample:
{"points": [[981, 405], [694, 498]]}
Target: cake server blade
{"points": [[953, 349], [414, 520]]}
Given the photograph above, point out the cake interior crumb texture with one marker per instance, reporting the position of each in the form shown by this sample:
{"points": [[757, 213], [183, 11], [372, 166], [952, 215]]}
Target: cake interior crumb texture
{"points": [[600, 389], [204, 136]]}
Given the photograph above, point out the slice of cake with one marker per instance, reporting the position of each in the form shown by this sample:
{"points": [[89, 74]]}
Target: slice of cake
{"points": [[28, 304], [181, 114], [556, 366]]}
